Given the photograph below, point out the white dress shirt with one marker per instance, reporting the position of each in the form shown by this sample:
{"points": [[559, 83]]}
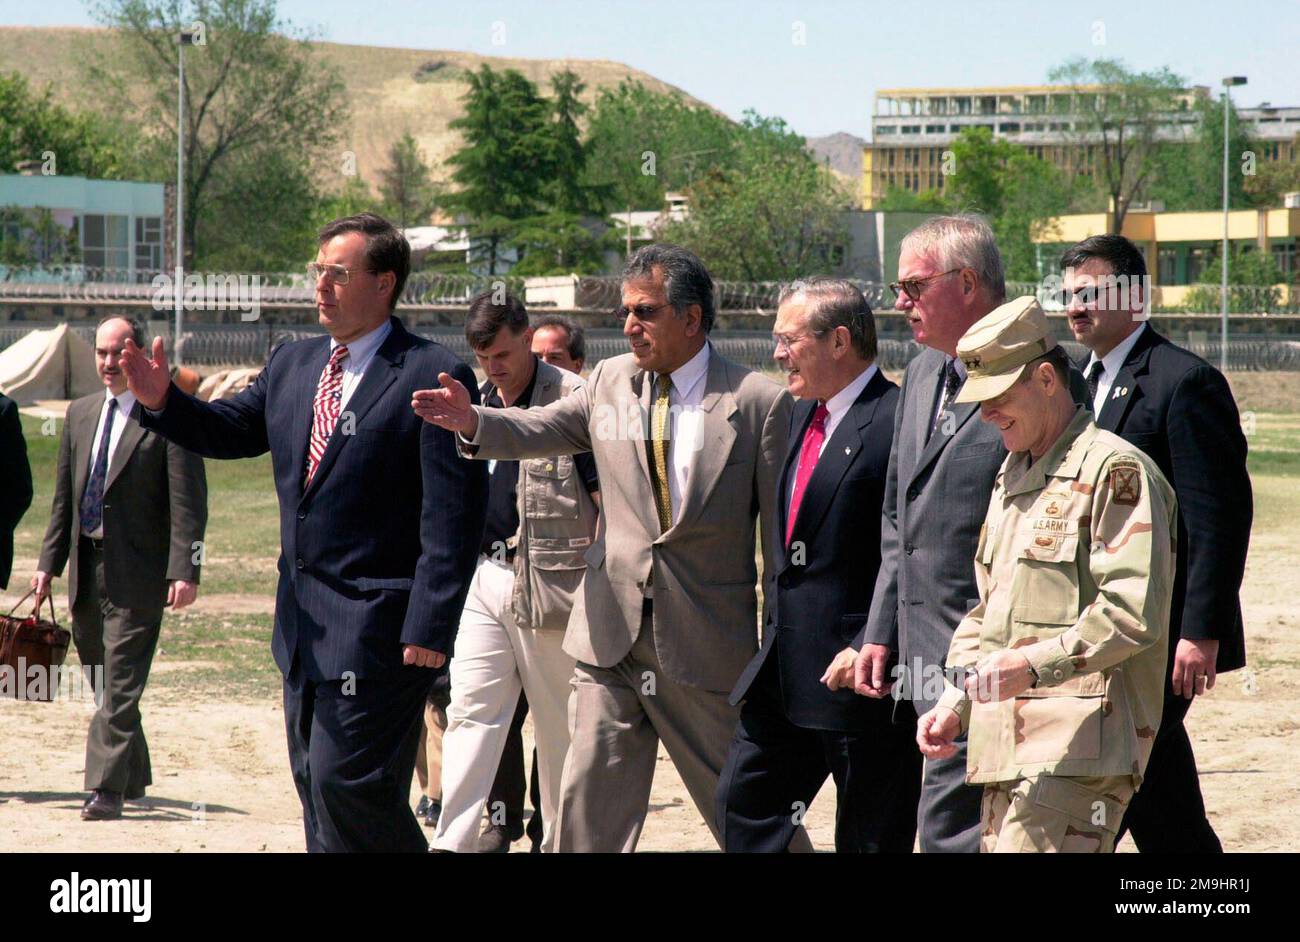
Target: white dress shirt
{"points": [[837, 406], [360, 352], [125, 403], [1110, 367], [685, 430]]}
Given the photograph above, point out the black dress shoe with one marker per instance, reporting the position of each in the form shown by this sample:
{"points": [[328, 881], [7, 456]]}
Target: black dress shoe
{"points": [[432, 815], [497, 838], [103, 806], [422, 807]]}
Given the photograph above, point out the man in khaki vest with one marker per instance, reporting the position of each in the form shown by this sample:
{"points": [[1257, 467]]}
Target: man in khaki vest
{"points": [[1059, 667]]}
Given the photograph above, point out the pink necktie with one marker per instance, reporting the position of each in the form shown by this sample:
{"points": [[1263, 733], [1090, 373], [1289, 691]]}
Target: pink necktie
{"points": [[325, 409], [808, 455]]}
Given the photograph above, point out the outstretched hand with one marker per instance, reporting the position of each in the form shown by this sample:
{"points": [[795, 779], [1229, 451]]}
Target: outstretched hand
{"points": [[148, 378], [448, 407]]}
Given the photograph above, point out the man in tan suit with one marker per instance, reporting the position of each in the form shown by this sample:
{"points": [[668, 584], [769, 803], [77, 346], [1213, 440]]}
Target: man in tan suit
{"points": [[688, 447]]}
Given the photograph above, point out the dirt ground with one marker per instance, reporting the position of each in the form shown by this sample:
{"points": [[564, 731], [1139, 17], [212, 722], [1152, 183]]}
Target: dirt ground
{"points": [[222, 780]]}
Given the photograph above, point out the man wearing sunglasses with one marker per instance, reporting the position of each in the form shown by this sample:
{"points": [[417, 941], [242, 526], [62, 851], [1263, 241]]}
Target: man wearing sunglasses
{"points": [[941, 470], [666, 619], [1179, 410]]}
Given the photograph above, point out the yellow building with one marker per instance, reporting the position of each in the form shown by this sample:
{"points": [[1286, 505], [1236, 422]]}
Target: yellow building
{"points": [[1178, 246], [912, 128]]}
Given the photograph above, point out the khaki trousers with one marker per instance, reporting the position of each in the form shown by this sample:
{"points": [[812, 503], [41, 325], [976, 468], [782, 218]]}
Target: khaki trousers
{"points": [[493, 660], [428, 755], [617, 717], [1054, 814]]}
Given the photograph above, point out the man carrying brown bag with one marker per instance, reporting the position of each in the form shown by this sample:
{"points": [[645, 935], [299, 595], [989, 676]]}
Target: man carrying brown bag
{"points": [[129, 514]]}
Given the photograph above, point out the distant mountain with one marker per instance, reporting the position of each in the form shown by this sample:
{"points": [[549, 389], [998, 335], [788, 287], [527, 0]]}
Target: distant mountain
{"points": [[843, 151], [391, 91]]}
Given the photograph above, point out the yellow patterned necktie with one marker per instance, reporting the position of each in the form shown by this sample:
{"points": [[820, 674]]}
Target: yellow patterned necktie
{"points": [[659, 453]]}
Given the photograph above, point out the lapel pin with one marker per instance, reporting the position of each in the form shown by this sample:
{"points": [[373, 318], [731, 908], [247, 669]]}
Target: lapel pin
{"points": [[847, 450], [1119, 391]]}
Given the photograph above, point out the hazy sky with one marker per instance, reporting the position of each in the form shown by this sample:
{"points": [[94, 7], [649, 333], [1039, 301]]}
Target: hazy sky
{"points": [[817, 63]]}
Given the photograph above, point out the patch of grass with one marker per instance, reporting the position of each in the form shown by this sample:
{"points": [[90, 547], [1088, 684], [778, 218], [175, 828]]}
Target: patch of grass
{"points": [[223, 657], [242, 539]]}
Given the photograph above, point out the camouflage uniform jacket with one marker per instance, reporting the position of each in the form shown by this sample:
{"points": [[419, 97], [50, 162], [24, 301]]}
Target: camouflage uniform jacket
{"points": [[1075, 568]]}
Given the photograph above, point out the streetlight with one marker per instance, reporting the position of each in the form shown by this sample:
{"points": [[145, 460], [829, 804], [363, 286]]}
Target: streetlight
{"points": [[183, 39], [1228, 82]]}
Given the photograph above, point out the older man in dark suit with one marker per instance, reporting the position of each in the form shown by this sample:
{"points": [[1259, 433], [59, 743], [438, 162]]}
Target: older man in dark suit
{"points": [[801, 720], [940, 476], [129, 513], [1179, 410], [380, 522]]}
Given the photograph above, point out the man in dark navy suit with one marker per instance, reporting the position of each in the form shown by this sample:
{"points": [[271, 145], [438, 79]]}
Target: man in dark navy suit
{"points": [[1179, 410], [380, 523], [801, 719]]}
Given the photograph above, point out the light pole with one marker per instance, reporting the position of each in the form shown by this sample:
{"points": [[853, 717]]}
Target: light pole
{"points": [[183, 39], [1228, 82]]}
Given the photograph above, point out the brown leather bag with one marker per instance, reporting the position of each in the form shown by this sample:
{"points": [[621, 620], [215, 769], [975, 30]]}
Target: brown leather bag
{"points": [[30, 642]]}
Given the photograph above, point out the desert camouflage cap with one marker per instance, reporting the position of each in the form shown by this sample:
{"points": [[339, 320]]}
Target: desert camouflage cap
{"points": [[999, 344]]}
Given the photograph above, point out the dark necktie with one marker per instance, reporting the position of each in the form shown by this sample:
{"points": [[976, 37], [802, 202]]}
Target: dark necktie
{"points": [[951, 383], [92, 499], [1094, 379], [808, 455]]}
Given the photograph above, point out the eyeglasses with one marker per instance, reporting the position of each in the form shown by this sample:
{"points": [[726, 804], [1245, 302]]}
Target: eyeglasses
{"points": [[337, 273], [642, 311], [789, 340], [913, 287]]}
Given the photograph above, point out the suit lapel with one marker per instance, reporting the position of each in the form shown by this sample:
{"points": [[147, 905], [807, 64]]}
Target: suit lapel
{"points": [[717, 432], [837, 457], [304, 394], [1127, 387], [803, 413], [962, 412], [132, 433], [641, 391], [84, 433], [381, 372]]}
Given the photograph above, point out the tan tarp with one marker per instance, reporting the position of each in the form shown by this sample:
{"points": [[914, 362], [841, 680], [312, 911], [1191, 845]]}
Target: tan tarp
{"points": [[226, 383], [48, 364]]}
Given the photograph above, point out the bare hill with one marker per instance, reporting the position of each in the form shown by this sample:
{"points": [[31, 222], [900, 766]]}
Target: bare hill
{"points": [[391, 91], [842, 151]]}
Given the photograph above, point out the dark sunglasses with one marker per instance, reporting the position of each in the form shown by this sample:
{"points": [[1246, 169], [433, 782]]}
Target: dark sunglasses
{"points": [[913, 287]]}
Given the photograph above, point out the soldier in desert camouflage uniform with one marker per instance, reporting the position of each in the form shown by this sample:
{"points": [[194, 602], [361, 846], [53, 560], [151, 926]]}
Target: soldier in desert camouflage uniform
{"points": [[1063, 656]]}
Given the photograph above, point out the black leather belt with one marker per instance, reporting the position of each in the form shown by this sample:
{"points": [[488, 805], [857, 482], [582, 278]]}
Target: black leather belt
{"points": [[97, 545]]}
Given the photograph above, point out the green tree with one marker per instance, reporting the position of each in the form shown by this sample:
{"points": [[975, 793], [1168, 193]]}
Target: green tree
{"points": [[1015, 190], [774, 215], [410, 195], [254, 91], [500, 171], [1189, 174], [642, 144], [1253, 277], [272, 229], [898, 199], [1118, 116], [80, 144], [34, 237]]}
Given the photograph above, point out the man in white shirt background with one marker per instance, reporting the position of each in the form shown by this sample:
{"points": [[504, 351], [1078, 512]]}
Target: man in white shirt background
{"points": [[129, 513]]}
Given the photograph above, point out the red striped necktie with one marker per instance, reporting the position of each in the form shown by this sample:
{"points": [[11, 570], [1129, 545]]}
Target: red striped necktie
{"points": [[325, 409]]}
